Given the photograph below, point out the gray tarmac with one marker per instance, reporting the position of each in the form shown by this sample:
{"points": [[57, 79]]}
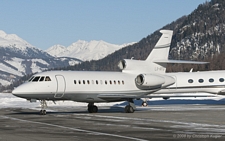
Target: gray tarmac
{"points": [[158, 122]]}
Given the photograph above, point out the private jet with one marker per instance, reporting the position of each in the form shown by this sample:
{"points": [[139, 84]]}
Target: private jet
{"points": [[138, 79]]}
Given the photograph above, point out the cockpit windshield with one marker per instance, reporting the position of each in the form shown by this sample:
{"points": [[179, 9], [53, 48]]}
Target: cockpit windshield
{"points": [[36, 79], [30, 78], [47, 78], [39, 79]]}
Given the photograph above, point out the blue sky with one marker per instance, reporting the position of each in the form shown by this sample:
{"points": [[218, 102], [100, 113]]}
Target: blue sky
{"points": [[44, 23]]}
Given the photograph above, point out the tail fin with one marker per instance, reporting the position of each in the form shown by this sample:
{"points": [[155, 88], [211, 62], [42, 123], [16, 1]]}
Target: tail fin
{"points": [[162, 47], [157, 60]]}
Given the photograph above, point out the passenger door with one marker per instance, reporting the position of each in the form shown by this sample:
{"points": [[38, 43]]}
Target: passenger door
{"points": [[61, 86]]}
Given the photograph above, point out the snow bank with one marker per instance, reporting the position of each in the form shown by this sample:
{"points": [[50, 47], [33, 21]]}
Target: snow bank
{"points": [[7, 100]]}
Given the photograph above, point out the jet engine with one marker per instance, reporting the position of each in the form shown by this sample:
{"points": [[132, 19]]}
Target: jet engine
{"points": [[132, 65], [152, 81], [148, 81]]}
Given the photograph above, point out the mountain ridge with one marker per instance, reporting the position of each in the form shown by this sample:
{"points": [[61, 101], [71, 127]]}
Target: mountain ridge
{"points": [[20, 58], [84, 50]]}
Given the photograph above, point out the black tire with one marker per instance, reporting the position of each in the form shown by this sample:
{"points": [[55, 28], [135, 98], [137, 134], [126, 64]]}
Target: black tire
{"points": [[131, 109], [43, 112], [127, 109], [94, 109], [90, 109]]}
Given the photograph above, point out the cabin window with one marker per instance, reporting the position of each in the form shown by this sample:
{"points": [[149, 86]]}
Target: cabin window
{"points": [[211, 80], [200, 80], [114, 82], [36, 79], [79, 82], [110, 82], [190, 81], [118, 82], [83, 81], [75, 82], [100, 81], [106, 82], [47, 78], [93, 82], [88, 82], [42, 78], [221, 80], [97, 82], [31, 78], [123, 82]]}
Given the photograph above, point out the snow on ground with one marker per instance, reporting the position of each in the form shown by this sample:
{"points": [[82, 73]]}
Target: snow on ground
{"points": [[7, 100]]}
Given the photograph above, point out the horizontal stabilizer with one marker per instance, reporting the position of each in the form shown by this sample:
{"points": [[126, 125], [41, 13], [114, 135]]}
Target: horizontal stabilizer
{"points": [[178, 62]]}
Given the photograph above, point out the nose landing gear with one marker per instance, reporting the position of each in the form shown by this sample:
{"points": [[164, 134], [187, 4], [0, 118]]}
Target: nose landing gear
{"points": [[43, 107]]}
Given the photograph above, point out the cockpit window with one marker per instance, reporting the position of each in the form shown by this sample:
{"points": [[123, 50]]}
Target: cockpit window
{"points": [[30, 78], [36, 79], [47, 78], [42, 78]]}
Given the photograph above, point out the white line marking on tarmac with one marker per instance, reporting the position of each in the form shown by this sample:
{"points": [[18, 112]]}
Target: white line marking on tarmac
{"points": [[178, 124], [75, 129]]}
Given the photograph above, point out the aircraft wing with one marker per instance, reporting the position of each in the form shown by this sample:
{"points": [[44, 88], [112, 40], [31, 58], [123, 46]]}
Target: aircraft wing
{"points": [[222, 92], [179, 62], [179, 95], [117, 96]]}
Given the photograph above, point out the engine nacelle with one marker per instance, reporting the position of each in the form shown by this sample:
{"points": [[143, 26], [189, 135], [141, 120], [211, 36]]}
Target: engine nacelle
{"points": [[130, 65], [149, 81], [153, 81]]}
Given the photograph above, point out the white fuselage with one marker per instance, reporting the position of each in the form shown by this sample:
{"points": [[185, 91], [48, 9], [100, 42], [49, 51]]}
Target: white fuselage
{"points": [[80, 86], [195, 82], [95, 86]]}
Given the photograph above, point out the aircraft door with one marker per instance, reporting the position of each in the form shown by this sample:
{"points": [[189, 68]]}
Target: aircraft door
{"points": [[61, 86]]}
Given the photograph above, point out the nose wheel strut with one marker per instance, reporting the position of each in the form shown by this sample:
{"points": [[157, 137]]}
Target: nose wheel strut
{"points": [[43, 107]]}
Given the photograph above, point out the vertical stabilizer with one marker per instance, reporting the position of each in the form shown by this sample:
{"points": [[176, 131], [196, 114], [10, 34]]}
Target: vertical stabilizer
{"points": [[162, 47], [156, 61]]}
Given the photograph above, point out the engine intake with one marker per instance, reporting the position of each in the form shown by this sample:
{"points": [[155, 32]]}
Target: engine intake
{"points": [[153, 81], [149, 80]]}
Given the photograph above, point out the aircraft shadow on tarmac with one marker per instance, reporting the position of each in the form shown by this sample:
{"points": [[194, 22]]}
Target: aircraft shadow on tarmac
{"points": [[50, 112]]}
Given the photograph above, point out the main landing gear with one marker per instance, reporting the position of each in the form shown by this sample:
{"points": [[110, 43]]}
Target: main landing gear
{"points": [[92, 108], [130, 108], [43, 107]]}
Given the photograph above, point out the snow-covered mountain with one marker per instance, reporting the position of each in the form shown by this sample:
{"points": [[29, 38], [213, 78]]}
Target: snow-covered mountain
{"points": [[18, 58], [85, 51]]}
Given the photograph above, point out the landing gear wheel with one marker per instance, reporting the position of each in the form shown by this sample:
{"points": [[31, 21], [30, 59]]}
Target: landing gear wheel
{"points": [[92, 109], [43, 112], [129, 109], [144, 104], [95, 109]]}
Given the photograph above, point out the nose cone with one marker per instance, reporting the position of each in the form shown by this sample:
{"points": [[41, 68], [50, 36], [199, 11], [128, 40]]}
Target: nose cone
{"points": [[20, 91], [17, 91]]}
